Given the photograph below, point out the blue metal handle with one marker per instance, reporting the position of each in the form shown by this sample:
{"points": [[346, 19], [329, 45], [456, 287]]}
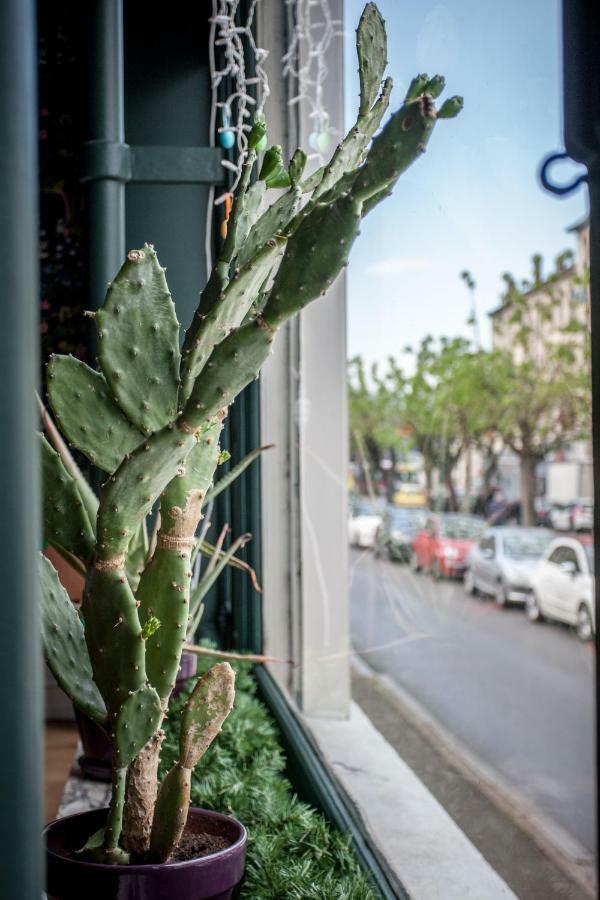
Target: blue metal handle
{"points": [[560, 189]]}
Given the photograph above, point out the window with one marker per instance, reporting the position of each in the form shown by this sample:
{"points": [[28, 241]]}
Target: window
{"points": [[570, 556], [562, 555], [468, 308], [488, 546]]}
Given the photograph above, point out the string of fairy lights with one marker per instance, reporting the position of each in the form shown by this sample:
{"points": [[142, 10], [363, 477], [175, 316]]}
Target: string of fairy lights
{"points": [[312, 30], [236, 62], [233, 51], [231, 47]]}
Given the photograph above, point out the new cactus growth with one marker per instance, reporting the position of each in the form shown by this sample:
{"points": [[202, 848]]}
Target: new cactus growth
{"points": [[151, 418]]}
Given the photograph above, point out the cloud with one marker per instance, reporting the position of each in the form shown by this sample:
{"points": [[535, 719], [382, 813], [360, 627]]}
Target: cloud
{"points": [[393, 265]]}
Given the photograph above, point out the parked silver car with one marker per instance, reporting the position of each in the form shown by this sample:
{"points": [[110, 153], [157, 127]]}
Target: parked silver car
{"points": [[502, 562]]}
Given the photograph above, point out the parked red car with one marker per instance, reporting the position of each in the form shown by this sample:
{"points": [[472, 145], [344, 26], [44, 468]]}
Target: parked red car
{"points": [[443, 544]]}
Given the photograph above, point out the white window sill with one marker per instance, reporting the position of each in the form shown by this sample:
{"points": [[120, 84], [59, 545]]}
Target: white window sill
{"points": [[421, 844]]}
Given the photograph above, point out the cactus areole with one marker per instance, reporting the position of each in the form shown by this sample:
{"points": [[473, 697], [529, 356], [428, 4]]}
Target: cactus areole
{"points": [[151, 417]]}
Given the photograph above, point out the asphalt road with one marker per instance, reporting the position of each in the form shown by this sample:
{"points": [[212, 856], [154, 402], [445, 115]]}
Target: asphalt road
{"points": [[520, 696]]}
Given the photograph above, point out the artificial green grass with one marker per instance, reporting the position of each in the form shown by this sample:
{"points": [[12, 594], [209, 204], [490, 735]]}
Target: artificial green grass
{"points": [[293, 852]]}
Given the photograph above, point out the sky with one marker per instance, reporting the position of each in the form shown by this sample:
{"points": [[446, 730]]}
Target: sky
{"points": [[473, 201]]}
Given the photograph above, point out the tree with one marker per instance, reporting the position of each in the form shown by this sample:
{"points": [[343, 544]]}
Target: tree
{"points": [[545, 377], [373, 420], [449, 403]]}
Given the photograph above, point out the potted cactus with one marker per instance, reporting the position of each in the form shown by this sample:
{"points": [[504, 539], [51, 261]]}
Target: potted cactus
{"points": [[151, 417]]}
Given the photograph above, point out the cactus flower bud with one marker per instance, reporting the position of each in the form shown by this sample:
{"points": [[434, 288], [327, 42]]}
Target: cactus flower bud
{"points": [[296, 167], [417, 87], [150, 627], [450, 108], [258, 133], [435, 86], [272, 162]]}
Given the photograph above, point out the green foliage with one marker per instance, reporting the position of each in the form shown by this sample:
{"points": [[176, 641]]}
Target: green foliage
{"points": [[450, 400], [532, 393], [544, 383], [293, 852]]}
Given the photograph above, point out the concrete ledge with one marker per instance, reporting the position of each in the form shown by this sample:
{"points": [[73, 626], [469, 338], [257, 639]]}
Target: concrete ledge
{"points": [[423, 846]]}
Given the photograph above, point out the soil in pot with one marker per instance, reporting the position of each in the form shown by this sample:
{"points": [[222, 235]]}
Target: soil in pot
{"points": [[195, 846]]}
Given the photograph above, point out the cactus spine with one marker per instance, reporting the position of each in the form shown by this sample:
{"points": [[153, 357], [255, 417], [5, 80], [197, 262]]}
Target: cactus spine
{"points": [[151, 418]]}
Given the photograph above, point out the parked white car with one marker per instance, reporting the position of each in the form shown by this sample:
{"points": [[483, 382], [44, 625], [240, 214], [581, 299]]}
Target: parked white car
{"points": [[578, 515], [365, 519], [502, 562], [582, 515], [563, 586]]}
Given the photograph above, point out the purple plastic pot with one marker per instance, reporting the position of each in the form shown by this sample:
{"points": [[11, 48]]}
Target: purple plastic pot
{"points": [[211, 877], [188, 667], [96, 760]]}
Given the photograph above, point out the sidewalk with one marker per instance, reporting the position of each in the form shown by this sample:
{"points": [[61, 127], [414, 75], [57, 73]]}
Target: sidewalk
{"points": [[533, 872]]}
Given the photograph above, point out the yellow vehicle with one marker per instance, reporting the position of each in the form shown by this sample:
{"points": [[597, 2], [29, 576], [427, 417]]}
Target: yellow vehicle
{"points": [[410, 491]]}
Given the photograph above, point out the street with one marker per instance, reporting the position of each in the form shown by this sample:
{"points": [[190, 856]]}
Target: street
{"points": [[519, 696]]}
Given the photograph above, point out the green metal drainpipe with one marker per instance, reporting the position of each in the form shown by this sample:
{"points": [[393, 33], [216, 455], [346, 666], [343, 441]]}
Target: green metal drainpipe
{"points": [[20, 646], [107, 139]]}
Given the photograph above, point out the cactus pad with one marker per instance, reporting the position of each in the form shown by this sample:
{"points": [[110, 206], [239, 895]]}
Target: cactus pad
{"points": [[272, 222], [207, 707], [315, 255], [402, 140], [130, 493], [66, 522], [139, 717], [164, 587], [113, 636], [248, 214], [234, 363], [349, 152], [64, 644], [230, 311], [170, 813], [87, 414], [138, 341], [371, 48]]}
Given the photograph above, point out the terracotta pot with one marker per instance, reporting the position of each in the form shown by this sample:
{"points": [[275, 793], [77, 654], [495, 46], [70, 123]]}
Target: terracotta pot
{"points": [[207, 878], [95, 762]]}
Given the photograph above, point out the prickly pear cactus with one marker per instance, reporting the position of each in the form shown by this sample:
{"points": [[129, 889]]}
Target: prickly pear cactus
{"points": [[151, 418]]}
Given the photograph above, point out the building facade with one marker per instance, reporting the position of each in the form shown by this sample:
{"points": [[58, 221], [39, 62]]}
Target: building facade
{"points": [[566, 474]]}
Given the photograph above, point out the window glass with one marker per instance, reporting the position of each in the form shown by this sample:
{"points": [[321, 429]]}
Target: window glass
{"points": [[529, 545], [558, 556], [460, 527], [468, 313], [570, 556]]}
